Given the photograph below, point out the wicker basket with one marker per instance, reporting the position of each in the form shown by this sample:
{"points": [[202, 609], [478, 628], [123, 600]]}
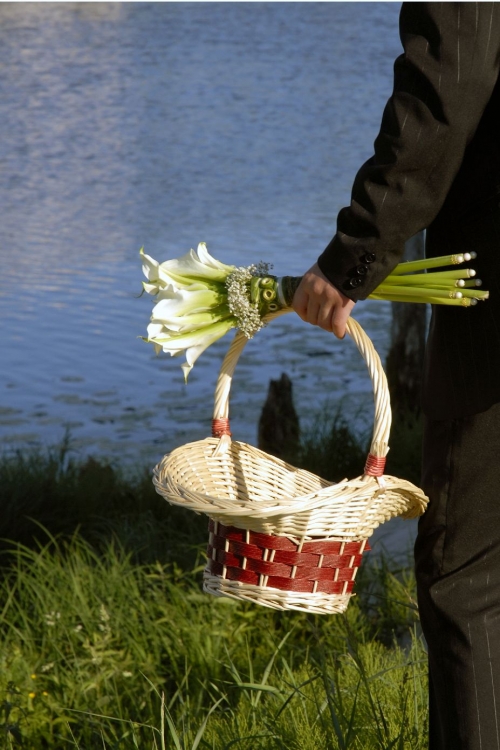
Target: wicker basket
{"points": [[281, 536]]}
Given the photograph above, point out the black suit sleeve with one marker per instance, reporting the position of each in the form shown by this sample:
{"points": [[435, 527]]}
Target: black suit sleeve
{"points": [[442, 84]]}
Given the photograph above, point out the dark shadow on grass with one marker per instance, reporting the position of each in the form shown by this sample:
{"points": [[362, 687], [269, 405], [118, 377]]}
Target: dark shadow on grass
{"points": [[55, 493]]}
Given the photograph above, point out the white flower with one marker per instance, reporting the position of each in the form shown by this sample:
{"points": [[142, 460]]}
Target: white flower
{"points": [[193, 343], [197, 265], [174, 304], [198, 299], [192, 268], [191, 310], [51, 618]]}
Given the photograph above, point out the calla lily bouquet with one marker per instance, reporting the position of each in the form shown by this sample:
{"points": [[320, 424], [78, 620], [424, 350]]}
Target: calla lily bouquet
{"points": [[198, 298]]}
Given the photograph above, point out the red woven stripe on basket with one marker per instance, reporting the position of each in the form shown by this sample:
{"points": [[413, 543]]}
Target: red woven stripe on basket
{"points": [[267, 541], [341, 586], [328, 561], [283, 544], [278, 562], [264, 568], [333, 548], [235, 553], [239, 548]]}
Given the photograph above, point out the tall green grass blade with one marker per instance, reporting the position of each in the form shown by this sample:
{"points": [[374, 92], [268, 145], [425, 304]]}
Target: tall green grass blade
{"points": [[297, 690], [173, 731], [201, 730]]}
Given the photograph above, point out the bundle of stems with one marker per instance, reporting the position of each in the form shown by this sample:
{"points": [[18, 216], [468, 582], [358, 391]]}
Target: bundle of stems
{"points": [[411, 282]]}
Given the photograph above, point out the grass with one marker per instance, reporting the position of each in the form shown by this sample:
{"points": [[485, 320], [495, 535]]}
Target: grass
{"points": [[100, 651], [332, 450], [106, 640], [56, 492]]}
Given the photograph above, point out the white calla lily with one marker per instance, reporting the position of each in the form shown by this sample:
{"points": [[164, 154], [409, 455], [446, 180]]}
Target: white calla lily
{"points": [[196, 321], [193, 342], [150, 270], [176, 343], [197, 266], [193, 270], [183, 302], [155, 330], [209, 260], [167, 277], [191, 310], [149, 265], [218, 331]]}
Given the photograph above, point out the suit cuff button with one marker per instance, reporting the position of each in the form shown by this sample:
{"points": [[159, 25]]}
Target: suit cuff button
{"points": [[355, 281], [369, 258], [362, 270]]}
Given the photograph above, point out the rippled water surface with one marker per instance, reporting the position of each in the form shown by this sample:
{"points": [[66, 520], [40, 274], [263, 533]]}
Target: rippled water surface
{"points": [[239, 124]]}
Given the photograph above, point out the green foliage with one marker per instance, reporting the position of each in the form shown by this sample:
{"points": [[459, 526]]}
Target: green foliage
{"points": [[335, 450], [107, 641], [90, 642], [54, 492], [332, 450]]}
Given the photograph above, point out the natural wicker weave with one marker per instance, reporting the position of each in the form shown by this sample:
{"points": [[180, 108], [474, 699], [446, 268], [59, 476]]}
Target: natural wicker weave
{"points": [[281, 536]]}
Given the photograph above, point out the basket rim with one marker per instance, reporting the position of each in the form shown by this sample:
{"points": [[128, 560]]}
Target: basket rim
{"points": [[330, 494]]}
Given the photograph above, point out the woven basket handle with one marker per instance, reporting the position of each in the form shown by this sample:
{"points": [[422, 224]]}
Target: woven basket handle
{"points": [[382, 420]]}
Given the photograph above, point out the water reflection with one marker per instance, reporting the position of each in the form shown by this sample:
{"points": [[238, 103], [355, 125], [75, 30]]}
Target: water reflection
{"points": [[162, 125]]}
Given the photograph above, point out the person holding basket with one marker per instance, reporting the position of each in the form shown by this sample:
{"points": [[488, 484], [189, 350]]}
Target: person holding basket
{"points": [[436, 166]]}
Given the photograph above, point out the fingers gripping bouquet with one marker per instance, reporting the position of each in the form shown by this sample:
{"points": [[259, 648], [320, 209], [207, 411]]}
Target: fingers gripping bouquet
{"points": [[198, 299]]}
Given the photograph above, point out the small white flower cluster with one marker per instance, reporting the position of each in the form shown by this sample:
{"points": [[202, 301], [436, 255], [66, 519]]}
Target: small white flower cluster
{"points": [[244, 310], [51, 618], [104, 617]]}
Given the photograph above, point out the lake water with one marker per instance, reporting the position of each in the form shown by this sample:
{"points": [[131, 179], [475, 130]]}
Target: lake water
{"points": [[163, 125]]}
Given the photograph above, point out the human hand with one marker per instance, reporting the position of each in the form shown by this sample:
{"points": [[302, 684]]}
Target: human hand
{"points": [[320, 303]]}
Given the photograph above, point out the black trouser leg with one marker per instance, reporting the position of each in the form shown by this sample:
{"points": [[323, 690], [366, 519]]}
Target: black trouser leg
{"points": [[457, 556]]}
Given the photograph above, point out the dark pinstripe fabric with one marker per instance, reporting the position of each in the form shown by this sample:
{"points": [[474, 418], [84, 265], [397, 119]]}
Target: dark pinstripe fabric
{"points": [[437, 166], [457, 558]]}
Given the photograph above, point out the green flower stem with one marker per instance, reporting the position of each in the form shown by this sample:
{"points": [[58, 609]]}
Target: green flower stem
{"points": [[474, 293], [432, 292], [425, 278], [413, 266], [412, 291], [435, 292], [409, 282], [429, 300]]}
